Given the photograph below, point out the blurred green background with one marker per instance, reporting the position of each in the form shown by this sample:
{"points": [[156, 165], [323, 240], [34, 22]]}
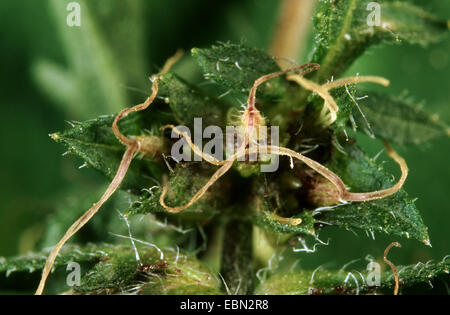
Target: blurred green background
{"points": [[51, 74]]}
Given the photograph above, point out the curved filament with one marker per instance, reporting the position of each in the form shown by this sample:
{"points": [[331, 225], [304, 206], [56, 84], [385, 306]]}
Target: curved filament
{"points": [[115, 183], [394, 269], [348, 196], [133, 146], [321, 90], [219, 173]]}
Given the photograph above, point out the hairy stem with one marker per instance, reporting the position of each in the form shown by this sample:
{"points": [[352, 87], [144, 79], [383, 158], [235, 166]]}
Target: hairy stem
{"points": [[237, 256], [215, 235]]}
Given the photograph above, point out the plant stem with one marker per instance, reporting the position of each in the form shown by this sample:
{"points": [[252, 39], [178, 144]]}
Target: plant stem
{"points": [[237, 256], [292, 26], [212, 255]]}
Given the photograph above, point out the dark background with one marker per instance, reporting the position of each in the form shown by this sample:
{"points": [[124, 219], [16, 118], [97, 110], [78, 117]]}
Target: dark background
{"points": [[35, 177]]}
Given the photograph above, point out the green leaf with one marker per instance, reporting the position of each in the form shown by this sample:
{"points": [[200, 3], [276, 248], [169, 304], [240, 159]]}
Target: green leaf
{"points": [[397, 120], [342, 33], [187, 102], [344, 97], [185, 180], [97, 145], [116, 270], [237, 67], [431, 277], [36, 261], [419, 277], [393, 215], [167, 272]]}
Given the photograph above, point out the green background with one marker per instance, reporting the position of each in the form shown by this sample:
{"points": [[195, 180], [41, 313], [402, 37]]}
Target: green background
{"points": [[35, 178]]}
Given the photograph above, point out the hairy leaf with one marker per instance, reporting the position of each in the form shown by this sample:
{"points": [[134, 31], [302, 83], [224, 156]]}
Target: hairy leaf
{"points": [[184, 182], [394, 215], [168, 272], [188, 103], [36, 261], [342, 32], [424, 278], [116, 270], [397, 120], [344, 97], [237, 67], [97, 145]]}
